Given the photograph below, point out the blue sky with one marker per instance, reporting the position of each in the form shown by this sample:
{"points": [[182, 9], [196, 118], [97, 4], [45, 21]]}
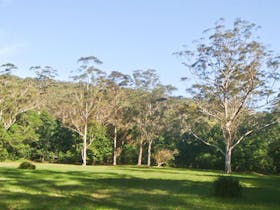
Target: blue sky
{"points": [[125, 34]]}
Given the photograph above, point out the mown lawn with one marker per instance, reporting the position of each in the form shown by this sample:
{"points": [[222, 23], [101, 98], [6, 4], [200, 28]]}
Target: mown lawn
{"points": [[53, 186]]}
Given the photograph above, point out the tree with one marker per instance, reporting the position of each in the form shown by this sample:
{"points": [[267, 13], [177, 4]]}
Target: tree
{"points": [[117, 102], [100, 151], [144, 82], [81, 104], [23, 136], [16, 95], [149, 107], [45, 77], [234, 74], [155, 122], [46, 130]]}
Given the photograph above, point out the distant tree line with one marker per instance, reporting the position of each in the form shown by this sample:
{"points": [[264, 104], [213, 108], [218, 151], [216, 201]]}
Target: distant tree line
{"points": [[115, 118]]}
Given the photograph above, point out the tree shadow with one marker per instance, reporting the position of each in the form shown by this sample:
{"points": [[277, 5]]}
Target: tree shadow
{"points": [[46, 189]]}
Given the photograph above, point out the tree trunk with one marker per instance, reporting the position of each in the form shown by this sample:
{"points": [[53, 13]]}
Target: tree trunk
{"points": [[115, 146], [149, 153], [140, 153], [85, 147], [228, 160]]}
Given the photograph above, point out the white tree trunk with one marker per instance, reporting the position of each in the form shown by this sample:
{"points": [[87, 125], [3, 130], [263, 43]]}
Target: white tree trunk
{"points": [[84, 153], [149, 153], [140, 153], [115, 146]]}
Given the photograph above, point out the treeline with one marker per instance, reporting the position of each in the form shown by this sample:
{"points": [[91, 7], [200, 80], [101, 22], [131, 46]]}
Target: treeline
{"points": [[115, 119], [232, 118]]}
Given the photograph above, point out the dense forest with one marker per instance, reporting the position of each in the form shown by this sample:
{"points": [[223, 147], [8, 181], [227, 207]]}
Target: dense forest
{"points": [[114, 118]]}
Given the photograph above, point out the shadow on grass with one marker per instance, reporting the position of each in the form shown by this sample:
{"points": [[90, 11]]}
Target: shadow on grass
{"points": [[44, 189]]}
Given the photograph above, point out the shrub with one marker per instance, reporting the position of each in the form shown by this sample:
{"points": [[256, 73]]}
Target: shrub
{"points": [[227, 186], [3, 154], [164, 156], [27, 165]]}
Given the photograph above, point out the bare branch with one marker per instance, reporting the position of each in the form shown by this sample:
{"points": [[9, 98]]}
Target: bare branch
{"points": [[250, 132], [207, 143], [205, 111], [74, 130]]}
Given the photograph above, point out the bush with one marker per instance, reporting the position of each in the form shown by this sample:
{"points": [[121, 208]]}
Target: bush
{"points": [[3, 154], [227, 186], [27, 165], [164, 156]]}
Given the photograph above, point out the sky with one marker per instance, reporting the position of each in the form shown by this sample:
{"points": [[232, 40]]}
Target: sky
{"points": [[126, 35]]}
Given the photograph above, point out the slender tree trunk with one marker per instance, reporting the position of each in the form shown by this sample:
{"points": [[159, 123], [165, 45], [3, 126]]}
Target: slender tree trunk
{"points": [[85, 146], [149, 153], [228, 159], [140, 152], [115, 146]]}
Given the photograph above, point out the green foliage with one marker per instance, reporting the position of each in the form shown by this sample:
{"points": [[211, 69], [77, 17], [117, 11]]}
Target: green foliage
{"points": [[46, 132], [129, 154], [100, 151], [207, 160], [4, 139], [26, 165], [252, 155], [23, 134], [3, 153], [65, 144], [194, 154], [274, 153], [227, 186], [70, 156]]}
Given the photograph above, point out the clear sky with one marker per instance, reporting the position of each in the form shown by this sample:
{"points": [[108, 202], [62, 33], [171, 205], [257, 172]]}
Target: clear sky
{"points": [[126, 35]]}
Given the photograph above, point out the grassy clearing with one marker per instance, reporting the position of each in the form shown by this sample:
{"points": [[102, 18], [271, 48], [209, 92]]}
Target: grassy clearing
{"points": [[53, 186]]}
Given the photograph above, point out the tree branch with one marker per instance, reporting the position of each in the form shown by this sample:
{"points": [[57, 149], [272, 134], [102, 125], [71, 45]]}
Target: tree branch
{"points": [[75, 130], [207, 143], [208, 113], [250, 132]]}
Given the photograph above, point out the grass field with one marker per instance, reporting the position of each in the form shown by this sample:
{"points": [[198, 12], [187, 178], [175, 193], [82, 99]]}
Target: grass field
{"points": [[59, 187]]}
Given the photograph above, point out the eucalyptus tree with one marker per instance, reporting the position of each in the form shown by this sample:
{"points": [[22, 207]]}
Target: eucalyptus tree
{"points": [[117, 83], [46, 85], [81, 104], [45, 76], [16, 95], [144, 82], [7, 68], [154, 118], [233, 78], [148, 102]]}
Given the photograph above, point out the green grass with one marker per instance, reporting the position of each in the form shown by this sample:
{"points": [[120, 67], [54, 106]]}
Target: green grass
{"points": [[53, 186]]}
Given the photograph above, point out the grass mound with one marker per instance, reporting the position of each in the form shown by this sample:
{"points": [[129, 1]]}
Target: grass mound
{"points": [[27, 165]]}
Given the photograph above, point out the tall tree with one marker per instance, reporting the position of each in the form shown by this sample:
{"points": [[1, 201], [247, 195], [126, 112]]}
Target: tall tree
{"points": [[45, 82], [81, 104], [117, 102], [154, 123], [144, 83], [149, 108], [234, 76]]}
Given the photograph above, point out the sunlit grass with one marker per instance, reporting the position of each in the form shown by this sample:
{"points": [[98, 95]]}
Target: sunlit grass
{"points": [[55, 186]]}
